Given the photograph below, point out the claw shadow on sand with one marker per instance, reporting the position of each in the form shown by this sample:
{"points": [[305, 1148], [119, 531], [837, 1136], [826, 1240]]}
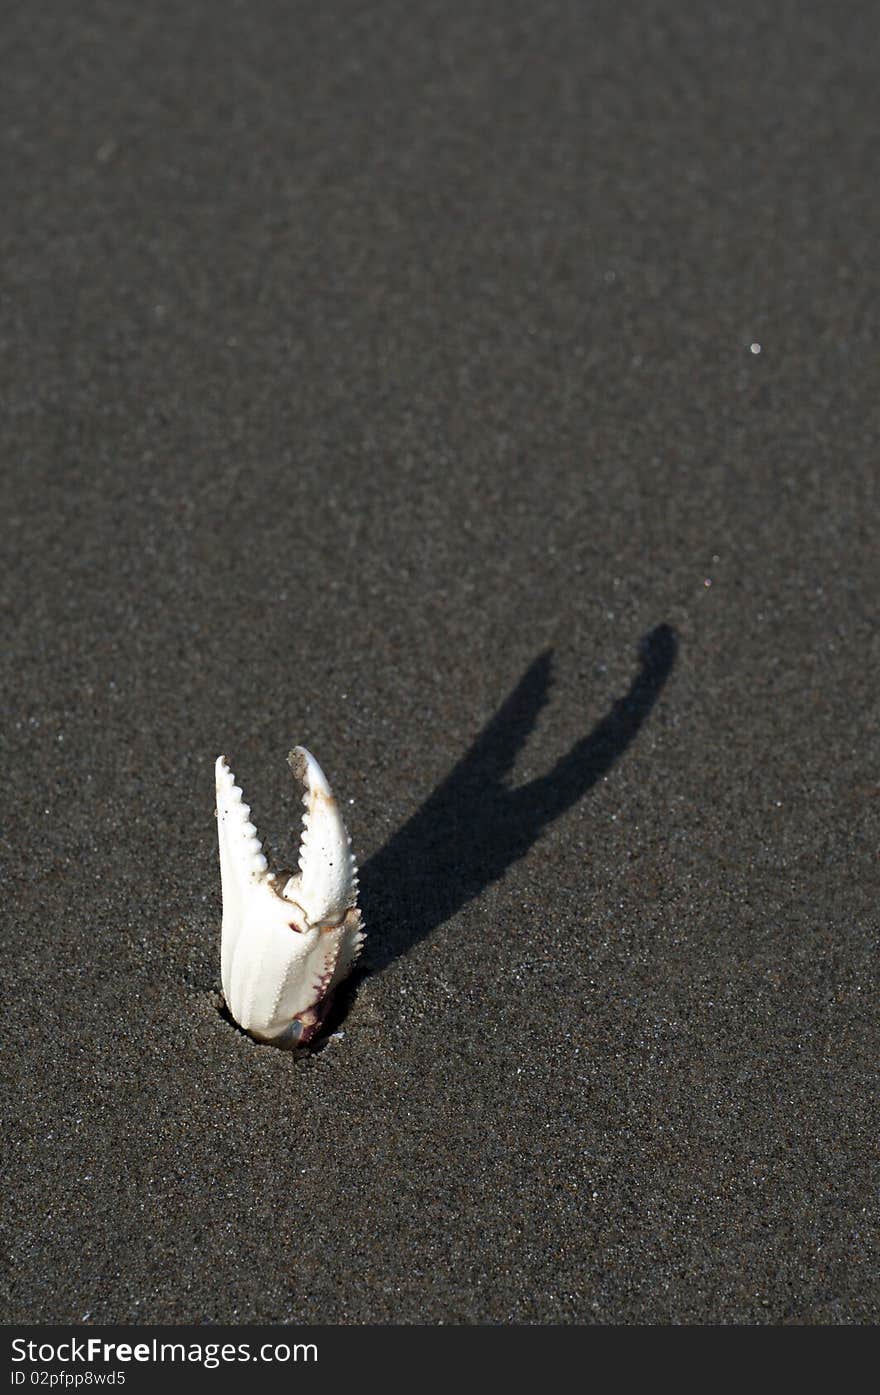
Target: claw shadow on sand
{"points": [[473, 826]]}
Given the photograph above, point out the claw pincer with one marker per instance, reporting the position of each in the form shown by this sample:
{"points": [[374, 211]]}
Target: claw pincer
{"points": [[283, 950]]}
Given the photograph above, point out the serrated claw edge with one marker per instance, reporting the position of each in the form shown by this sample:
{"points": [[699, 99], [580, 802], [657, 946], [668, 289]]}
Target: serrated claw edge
{"points": [[284, 952]]}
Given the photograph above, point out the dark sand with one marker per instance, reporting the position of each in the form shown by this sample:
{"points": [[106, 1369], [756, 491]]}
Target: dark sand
{"points": [[355, 358]]}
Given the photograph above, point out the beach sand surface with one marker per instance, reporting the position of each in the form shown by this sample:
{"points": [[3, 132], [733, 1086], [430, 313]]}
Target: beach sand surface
{"points": [[486, 398]]}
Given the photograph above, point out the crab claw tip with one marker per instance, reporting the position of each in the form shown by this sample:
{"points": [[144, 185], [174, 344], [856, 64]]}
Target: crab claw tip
{"points": [[307, 770], [327, 883]]}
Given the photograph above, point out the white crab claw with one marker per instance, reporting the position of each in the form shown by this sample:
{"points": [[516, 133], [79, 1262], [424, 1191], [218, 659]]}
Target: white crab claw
{"points": [[282, 952]]}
